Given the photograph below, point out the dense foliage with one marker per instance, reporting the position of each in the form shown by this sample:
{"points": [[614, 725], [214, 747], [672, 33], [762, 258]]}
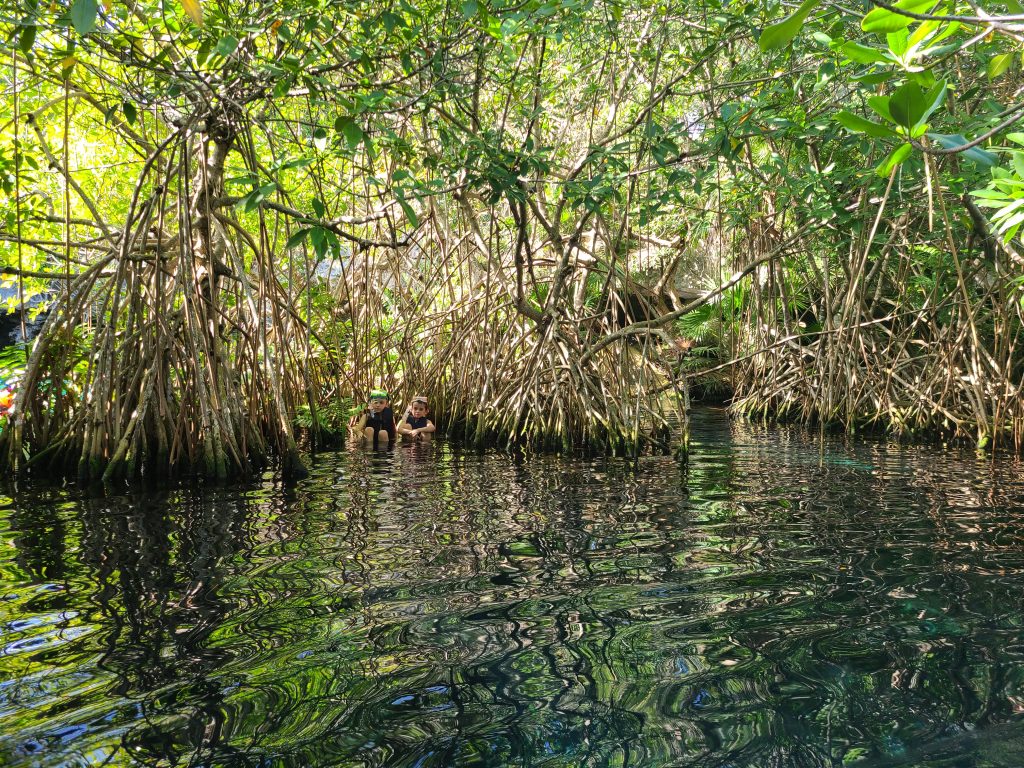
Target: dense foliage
{"points": [[242, 212]]}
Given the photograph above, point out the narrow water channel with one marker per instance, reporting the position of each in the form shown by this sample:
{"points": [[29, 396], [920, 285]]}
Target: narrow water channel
{"points": [[783, 601]]}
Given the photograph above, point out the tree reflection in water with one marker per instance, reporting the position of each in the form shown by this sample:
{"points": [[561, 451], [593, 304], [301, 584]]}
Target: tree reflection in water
{"points": [[785, 600]]}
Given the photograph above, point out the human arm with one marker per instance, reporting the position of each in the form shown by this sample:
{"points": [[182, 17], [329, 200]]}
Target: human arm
{"points": [[357, 423], [407, 430], [404, 428]]}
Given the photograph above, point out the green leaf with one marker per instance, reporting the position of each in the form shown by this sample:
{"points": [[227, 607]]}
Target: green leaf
{"points": [[298, 162], [881, 105], [296, 239], [409, 212], [862, 54], [907, 105], [859, 124], [469, 8], [664, 150], [318, 207], [934, 49], [780, 34], [952, 141], [941, 50], [253, 200], [898, 41], [281, 87], [130, 113], [1005, 214], [1009, 220], [246, 179], [203, 52], [407, 64], [933, 99], [318, 237], [334, 243], [991, 194], [873, 78], [83, 16], [993, 203], [1016, 138], [1018, 163], [895, 158], [855, 754], [923, 78], [924, 29], [884, 21], [999, 64], [350, 130], [245, 202], [27, 38], [226, 46]]}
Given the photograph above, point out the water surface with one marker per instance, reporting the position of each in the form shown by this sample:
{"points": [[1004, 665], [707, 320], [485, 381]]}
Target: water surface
{"points": [[785, 600]]}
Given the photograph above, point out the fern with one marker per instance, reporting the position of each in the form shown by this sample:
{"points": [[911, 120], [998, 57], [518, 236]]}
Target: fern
{"points": [[699, 324]]}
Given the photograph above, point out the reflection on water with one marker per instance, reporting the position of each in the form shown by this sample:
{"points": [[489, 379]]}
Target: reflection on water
{"points": [[784, 601]]}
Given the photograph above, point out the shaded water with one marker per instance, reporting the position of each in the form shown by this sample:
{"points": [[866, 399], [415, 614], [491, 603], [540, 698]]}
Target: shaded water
{"points": [[783, 601]]}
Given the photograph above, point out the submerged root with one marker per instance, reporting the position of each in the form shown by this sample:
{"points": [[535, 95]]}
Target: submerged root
{"points": [[497, 377], [941, 361], [178, 371]]}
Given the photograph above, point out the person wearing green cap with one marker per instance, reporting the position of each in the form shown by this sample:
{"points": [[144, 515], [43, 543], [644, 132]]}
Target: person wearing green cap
{"points": [[377, 422]]}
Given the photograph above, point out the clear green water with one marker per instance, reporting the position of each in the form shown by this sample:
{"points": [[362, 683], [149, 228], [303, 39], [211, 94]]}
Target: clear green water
{"points": [[783, 601]]}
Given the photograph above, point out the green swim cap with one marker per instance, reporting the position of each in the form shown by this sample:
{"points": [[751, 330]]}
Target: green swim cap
{"points": [[378, 394]]}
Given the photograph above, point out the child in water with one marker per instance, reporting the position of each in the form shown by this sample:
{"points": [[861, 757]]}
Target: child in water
{"points": [[377, 422], [416, 424]]}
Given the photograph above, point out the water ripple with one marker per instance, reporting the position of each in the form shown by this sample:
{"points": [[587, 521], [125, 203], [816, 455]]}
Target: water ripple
{"points": [[785, 600]]}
